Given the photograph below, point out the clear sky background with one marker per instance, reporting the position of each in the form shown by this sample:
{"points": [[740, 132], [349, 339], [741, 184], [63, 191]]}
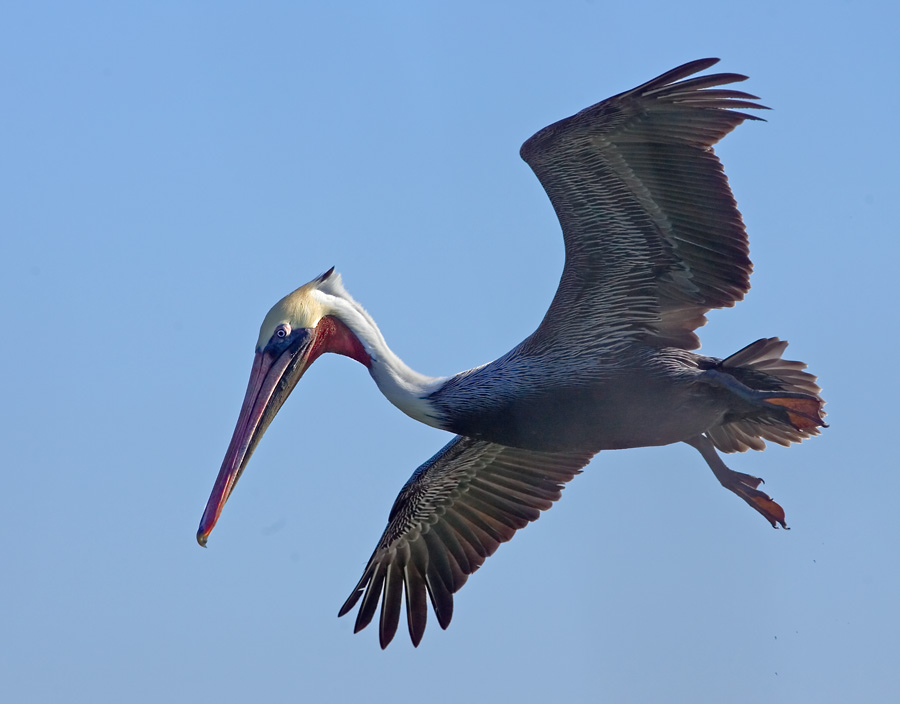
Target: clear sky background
{"points": [[169, 170]]}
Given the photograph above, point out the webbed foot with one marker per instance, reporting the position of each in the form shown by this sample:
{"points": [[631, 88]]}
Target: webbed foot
{"points": [[741, 484], [745, 486]]}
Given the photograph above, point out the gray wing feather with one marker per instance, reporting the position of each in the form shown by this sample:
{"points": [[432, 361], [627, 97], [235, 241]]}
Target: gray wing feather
{"points": [[652, 233], [450, 516]]}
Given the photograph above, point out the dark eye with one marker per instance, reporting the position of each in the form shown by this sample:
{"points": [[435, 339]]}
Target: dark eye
{"points": [[283, 330]]}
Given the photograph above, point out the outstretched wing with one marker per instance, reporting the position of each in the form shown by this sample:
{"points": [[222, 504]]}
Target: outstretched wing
{"points": [[653, 235], [450, 516]]}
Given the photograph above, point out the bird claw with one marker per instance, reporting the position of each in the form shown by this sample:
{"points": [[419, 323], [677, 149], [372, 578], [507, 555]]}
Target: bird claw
{"points": [[746, 479], [745, 486], [741, 484]]}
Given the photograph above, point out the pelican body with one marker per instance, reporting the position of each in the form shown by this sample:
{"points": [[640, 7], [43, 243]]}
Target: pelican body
{"points": [[653, 241]]}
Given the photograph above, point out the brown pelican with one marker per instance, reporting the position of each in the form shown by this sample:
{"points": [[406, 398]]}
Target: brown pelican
{"points": [[653, 241]]}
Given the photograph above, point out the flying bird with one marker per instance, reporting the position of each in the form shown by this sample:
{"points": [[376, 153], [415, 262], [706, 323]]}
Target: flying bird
{"points": [[653, 240]]}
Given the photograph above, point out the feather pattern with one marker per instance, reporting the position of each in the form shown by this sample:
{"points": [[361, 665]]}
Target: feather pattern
{"points": [[653, 241], [450, 516], [652, 233], [760, 366]]}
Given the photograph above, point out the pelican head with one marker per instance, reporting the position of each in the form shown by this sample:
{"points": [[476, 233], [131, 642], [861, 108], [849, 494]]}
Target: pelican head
{"points": [[300, 327]]}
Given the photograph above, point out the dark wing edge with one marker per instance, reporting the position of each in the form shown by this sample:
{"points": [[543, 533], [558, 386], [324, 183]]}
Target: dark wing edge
{"points": [[452, 514], [648, 217]]}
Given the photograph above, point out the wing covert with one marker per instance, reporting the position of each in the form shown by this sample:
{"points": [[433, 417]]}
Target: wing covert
{"points": [[451, 515], [652, 232]]}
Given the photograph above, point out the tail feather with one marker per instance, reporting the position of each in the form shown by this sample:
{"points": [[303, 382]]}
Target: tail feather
{"points": [[759, 366]]}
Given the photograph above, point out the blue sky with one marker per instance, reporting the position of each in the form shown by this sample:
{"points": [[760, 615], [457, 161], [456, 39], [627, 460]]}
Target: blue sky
{"points": [[170, 170]]}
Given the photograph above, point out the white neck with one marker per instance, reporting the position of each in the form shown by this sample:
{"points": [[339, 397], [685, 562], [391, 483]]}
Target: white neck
{"points": [[406, 388]]}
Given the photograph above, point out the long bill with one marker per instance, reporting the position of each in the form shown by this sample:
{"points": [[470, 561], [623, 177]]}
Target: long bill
{"points": [[275, 373]]}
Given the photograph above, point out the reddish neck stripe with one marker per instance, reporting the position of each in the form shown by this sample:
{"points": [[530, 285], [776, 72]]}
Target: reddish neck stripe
{"points": [[332, 335]]}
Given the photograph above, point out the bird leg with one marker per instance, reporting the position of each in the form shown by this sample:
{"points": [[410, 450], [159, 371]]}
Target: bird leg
{"points": [[741, 484]]}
